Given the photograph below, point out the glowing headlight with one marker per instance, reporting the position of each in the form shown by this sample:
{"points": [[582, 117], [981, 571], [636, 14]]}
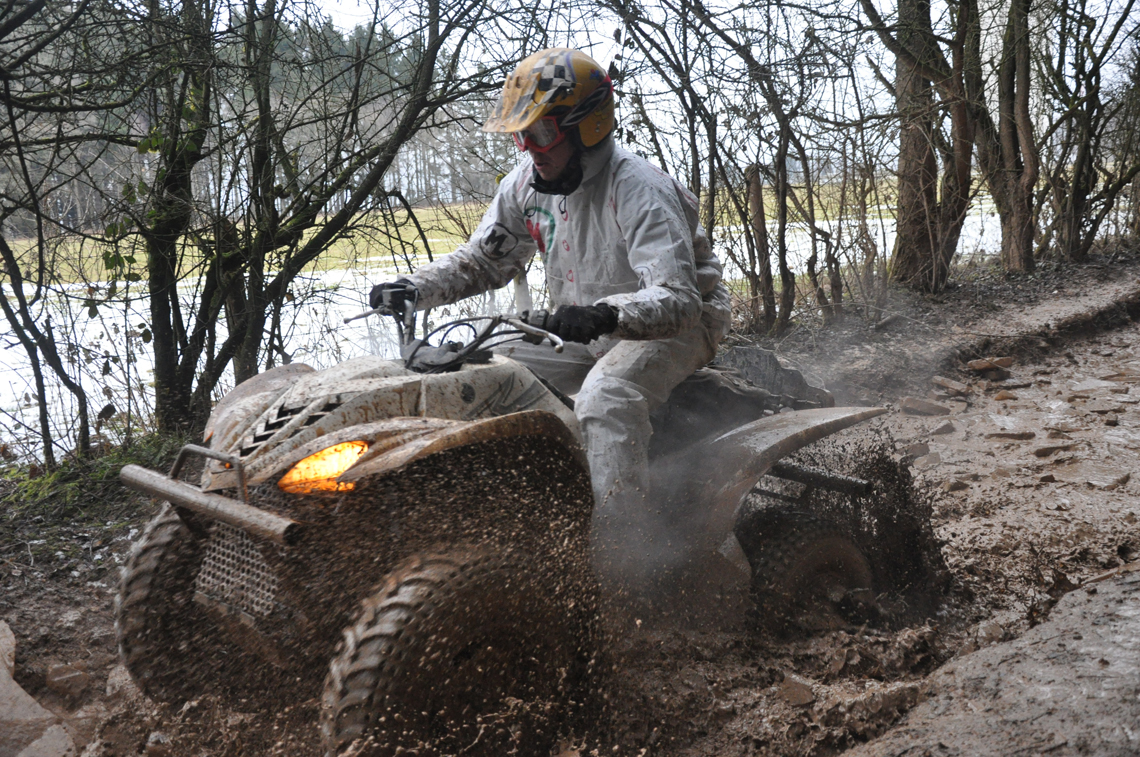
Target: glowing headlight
{"points": [[318, 472]]}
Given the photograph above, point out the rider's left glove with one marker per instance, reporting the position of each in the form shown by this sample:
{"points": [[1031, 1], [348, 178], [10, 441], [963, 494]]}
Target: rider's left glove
{"points": [[577, 323], [393, 297]]}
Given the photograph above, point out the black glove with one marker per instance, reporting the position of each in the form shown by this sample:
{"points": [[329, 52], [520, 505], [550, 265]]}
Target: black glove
{"points": [[576, 323], [393, 296]]}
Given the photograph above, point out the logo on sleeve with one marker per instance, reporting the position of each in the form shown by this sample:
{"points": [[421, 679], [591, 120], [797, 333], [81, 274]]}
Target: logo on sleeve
{"points": [[498, 242]]}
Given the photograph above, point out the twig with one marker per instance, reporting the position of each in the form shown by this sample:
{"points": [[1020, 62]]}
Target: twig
{"points": [[1131, 567], [887, 321]]}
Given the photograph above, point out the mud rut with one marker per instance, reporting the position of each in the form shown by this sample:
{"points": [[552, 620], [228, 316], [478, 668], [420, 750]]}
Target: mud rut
{"points": [[1032, 491]]}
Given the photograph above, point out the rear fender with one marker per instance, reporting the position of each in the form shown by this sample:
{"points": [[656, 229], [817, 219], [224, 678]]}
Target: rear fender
{"points": [[734, 463]]}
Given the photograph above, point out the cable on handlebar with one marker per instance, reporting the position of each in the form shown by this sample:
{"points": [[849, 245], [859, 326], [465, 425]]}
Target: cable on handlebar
{"points": [[423, 357]]}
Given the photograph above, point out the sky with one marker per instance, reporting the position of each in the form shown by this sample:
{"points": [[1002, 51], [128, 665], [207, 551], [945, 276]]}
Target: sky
{"points": [[346, 14], [599, 43]]}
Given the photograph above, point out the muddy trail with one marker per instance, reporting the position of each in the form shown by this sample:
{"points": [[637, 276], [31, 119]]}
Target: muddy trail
{"points": [[1028, 469]]}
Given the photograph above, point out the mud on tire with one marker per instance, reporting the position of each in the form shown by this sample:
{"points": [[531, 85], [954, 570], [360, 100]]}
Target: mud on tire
{"points": [[885, 534], [806, 572], [468, 650], [171, 649]]}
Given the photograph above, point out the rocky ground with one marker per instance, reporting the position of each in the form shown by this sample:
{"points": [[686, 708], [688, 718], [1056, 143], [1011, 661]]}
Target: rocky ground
{"points": [[1031, 467]]}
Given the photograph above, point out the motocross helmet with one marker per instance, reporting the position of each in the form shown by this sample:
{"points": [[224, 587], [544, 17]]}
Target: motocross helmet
{"points": [[553, 94]]}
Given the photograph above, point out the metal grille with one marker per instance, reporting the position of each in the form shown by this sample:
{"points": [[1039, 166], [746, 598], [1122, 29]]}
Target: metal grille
{"points": [[234, 572]]}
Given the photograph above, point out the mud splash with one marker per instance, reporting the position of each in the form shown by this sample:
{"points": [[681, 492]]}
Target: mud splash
{"points": [[890, 525]]}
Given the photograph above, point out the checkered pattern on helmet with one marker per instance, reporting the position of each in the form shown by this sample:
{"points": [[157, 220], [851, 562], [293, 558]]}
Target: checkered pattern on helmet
{"points": [[555, 76]]}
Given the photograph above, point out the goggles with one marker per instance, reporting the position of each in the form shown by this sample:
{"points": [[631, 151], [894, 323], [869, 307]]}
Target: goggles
{"points": [[544, 134]]}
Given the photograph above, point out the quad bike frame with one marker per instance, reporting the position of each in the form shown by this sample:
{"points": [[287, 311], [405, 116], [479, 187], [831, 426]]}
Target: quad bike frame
{"points": [[475, 463]]}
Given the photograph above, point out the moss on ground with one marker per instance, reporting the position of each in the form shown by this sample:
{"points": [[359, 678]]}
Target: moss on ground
{"points": [[52, 516]]}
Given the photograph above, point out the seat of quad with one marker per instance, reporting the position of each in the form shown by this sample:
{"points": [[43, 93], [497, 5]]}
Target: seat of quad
{"points": [[716, 399]]}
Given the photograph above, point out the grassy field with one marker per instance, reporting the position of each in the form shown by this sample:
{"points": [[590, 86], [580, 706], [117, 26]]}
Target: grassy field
{"points": [[378, 240]]}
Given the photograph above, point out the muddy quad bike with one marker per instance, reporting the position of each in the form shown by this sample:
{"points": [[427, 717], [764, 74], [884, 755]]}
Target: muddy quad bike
{"points": [[414, 532]]}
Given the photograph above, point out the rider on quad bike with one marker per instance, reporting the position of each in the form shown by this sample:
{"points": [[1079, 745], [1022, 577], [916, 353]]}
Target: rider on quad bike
{"points": [[407, 541], [629, 270]]}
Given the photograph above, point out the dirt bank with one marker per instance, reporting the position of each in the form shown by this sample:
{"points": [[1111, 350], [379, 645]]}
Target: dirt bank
{"points": [[1066, 687], [1033, 479], [881, 356]]}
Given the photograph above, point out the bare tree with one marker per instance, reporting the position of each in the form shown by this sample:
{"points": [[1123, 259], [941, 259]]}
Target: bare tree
{"points": [[930, 217], [759, 268], [1122, 142], [1007, 151], [301, 133], [45, 124], [1081, 181], [757, 88]]}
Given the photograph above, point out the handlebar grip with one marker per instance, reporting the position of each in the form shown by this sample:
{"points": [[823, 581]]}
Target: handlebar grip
{"points": [[537, 318]]}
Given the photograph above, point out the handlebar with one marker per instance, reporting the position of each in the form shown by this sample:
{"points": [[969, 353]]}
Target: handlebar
{"points": [[422, 357], [365, 314], [522, 325]]}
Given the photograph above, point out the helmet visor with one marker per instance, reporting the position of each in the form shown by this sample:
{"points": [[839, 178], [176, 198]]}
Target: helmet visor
{"points": [[540, 136]]}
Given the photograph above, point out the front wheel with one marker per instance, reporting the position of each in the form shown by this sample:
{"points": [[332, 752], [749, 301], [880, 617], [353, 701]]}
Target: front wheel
{"points": [[167, 643], [156, 624], [469, 651]]}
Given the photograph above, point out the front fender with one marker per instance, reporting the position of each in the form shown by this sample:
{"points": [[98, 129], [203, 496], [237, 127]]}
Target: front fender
{"points": [[380, 436], [462, 433]]}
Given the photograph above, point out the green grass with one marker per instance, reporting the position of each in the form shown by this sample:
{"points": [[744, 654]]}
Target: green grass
{"points": [[41, 512], [382, 239], [881, 205], [76, 261]]}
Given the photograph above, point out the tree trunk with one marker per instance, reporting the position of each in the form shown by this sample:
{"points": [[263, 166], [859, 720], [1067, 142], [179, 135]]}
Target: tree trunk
{"points": [[930, 225], [1007, 152], [709, 210], [1017, 228], [762, 290], [914, 259], [787, 278], [1017, 140]]}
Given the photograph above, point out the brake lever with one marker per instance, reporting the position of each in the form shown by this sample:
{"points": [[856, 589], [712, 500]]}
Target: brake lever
{"points": [[526, 328], [382, 310], [365, 314], [405, 328], [409, 311]]}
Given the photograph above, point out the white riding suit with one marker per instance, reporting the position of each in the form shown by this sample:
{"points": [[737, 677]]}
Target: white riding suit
{"points": [[628, 237]]}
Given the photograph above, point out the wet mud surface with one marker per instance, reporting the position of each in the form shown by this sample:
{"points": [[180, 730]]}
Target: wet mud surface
{"points": [[1057, 690], [1031, 479]]}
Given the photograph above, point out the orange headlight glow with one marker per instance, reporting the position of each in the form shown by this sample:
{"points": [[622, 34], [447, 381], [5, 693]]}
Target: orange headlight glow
{"points": [[318, 472]]}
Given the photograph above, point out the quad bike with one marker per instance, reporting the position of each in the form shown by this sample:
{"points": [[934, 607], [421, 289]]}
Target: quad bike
{"points": [[414, 534]]}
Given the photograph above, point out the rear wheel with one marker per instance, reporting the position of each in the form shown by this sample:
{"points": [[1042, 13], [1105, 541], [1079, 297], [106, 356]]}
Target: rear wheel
{"points": [[881, 541], [466, 651], [806, 572]]}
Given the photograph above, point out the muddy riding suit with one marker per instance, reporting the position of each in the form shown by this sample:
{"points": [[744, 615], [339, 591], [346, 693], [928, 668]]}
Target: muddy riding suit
{"points": [[628, 237], [624, 236]]}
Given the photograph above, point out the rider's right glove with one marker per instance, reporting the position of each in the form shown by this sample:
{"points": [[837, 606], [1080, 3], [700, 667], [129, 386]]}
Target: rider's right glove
{"points": [[576, 323], [393, 296]]}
